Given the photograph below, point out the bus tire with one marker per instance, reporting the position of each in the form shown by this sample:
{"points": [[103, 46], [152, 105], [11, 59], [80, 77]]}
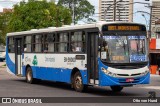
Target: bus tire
{"points": [[77, 82], [29, 76], [116, 88]]}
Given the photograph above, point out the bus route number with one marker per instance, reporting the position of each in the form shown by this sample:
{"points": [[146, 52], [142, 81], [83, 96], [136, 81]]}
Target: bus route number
{"points": [[69, 59]]}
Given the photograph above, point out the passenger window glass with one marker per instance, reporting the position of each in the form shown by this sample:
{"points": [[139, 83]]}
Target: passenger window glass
{"points": [[78, 42], [37, 43], [49, 42], [11, 45], [62, 45], [27, 44]]}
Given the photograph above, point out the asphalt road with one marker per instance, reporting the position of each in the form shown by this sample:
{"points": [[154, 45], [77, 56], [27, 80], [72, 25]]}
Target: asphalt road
{"points": [[13, 86]]}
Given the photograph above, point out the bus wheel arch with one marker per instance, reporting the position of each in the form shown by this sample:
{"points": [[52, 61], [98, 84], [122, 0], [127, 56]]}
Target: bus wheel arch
{"points": [[29, 75], [116, 88], [26, 68], [76, 80], [74, 70]]}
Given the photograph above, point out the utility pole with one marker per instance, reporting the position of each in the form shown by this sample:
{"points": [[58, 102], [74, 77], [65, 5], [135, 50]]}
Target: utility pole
{"points": [[114, 4], [145, 20], [114, 11], [150, 22], [119, 11]]}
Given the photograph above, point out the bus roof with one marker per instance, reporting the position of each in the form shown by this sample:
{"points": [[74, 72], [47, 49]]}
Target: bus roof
{"points": [[67, 27]]}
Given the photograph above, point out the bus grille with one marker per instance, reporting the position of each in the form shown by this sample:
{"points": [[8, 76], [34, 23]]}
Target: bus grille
{"points": [[129, 75], [122, 74]]}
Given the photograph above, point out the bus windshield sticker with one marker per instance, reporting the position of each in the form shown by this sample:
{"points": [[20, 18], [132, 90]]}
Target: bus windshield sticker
{"points": [[136, 37], [118, 58], [137, 58], [111, 37], [103, 55]]}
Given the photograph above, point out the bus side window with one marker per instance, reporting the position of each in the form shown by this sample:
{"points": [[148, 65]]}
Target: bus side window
{"points": [[63, 42], [37, 43], [27, 43], [25, 48], [11, 44], [78, 41], [51, 42]]}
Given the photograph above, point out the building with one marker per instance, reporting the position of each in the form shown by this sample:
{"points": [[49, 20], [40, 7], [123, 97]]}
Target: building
{"points": [[154, 50], [124, 10], [6, 10], [155, 26], [155, 13]]}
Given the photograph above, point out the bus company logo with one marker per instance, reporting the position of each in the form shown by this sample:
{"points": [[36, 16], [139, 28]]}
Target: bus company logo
{"points": [[6, 100], [35, 62], [27, 59]]}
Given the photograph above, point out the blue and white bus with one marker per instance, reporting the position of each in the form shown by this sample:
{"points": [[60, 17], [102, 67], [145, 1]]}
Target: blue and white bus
{"points": [[111, 54]]}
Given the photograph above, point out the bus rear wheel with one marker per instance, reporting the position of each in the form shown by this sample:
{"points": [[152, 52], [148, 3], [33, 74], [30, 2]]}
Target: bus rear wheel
{"points": [[77, 82], [116, 88], [29, 76]]}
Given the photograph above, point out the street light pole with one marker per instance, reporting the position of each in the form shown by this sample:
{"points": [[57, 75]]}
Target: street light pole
{"points": [[150, 22], [145, 20]]}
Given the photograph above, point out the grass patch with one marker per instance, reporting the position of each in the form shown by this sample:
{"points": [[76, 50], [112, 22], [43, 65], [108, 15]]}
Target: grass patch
{"points": [[4, 65]]}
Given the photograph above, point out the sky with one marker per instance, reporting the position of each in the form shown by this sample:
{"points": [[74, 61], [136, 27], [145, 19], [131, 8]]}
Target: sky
{"points": [[137, 17]]}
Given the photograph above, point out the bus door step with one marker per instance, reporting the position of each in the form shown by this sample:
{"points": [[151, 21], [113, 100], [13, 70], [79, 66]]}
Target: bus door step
{"points": [[19, 75], [96, 82]]}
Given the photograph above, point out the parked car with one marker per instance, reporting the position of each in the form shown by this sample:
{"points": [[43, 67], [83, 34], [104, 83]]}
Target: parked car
{"points": [[2, 53]]}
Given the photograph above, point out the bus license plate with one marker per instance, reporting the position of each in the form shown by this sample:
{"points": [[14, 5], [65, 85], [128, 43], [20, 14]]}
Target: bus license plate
{"points": [[129, 80]]}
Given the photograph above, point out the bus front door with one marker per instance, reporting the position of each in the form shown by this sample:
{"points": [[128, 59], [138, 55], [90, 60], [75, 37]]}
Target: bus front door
{"points": [[92, 57], [18, 56]]}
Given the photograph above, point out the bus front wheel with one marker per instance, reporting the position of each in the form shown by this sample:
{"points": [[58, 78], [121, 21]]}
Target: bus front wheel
{"points": [[29, 76], [116, 88], [77, 82]]}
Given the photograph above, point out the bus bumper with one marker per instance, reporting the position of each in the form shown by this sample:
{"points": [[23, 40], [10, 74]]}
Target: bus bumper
{"points": [[112, 81]]}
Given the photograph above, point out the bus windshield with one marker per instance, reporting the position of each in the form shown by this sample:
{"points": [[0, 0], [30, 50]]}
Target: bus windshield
{"points": [[124, 49]]}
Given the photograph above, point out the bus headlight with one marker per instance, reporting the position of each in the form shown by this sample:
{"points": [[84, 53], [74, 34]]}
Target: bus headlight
{"points": [[108, 72], [144, 73]]}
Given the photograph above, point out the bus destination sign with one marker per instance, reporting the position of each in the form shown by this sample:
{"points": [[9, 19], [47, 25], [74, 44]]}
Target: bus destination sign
{"points": [[123, 28]]}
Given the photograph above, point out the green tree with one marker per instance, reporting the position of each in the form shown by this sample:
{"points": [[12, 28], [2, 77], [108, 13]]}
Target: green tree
{"points": [[38, 14], [82, 9], [4, 18]]}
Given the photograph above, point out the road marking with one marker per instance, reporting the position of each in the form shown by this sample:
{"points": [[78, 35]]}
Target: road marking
{"points": [[151, 87]]}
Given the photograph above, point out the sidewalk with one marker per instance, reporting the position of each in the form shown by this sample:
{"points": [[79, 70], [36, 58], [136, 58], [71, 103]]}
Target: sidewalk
{"points": [[155, 75], [2, 64]]}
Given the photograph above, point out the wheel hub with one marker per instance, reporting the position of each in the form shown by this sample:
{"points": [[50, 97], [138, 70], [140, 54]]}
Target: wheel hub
{"points": [[78, 82]]}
